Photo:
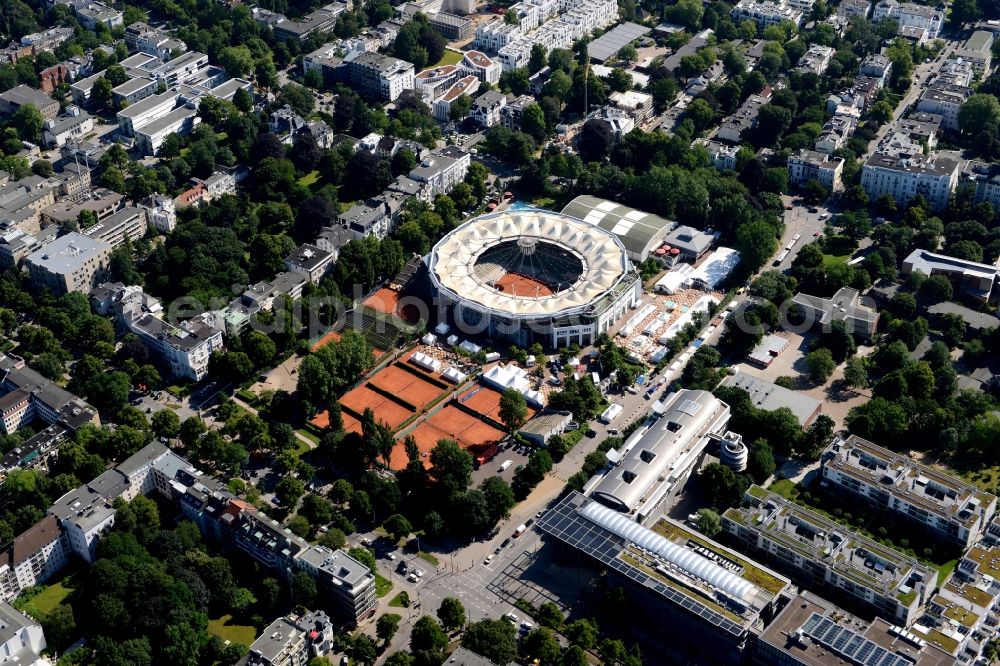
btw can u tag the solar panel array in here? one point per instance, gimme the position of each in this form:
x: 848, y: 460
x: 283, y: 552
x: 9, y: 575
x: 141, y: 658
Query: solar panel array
x: 565, y: 523
x: 615, y: 40
x: 849, y: 644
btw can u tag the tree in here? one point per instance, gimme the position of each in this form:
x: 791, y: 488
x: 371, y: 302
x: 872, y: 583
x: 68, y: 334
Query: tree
x: 513, y: 409
x: 964, y: 11
x: 499, y: 497
x: 451, y: 612
x: 494, y: 639
x: 166, y: 423
x: 289, y: 490
x: 760, y: 464
x: 387, y: 626
x: 397, y: 526
x: 582, y: 633
x: 709, y: 522
x: 28, y: 121
x: 936, y: 288
x: 757, y: 243
x: 533, y: 122
x: 856, y: 373
x: 820, y: 365
x: 686, y: 12
x: 427, y: 635
x: 595, y: 141
x: 363, y: 649
x: 542, y: 645
x: 721, y: 485
x: 979, y: 112
x: 303, y: 589
x: 451, y: 466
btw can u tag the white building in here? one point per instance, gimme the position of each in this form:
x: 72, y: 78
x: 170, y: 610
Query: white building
x: 160, y: 212
x: 946, y: 101
x: 310, y: 261
x: 152, y: 135
x: 910, y: 15
x: 486, y: 108
x: 809, y: 165
x: 70, y: 127
x: 441, y: 109
x: 21, y: 638
x: 850, y: 8
x: 379, y: 76
x: 481, y: 66
x: 765, y: 14
x: 493, y: 35
x: 903, y: 178
x: 33, y: 557
x: 442, y: 170
x: 816, y: 59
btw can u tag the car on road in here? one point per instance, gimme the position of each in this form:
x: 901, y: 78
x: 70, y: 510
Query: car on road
x: 613, y: 431
x: 412, y: 578
x: 391, y: 557
x: 529, y: 522
x: 489, y: 558
x: 526, y: 627
x: 512, y: 616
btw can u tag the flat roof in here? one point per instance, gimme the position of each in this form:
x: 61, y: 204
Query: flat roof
x: 67, y: 253
x: 615, y: 40
x: 770, y: 396
x: 640, y: 232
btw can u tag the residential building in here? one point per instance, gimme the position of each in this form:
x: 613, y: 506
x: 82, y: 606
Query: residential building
x: 845, y: 305
x: 976, y: 322
x: 977, y: 51
x: 15, y: 244
x: 876, y: 66
x: 945, y: 100
x: 815, y: 550
x: 365, y: 219
x: 816, y: 60
x: 932, y: 176
x: 653, y: 463
x: 47, y: 40
x: 318, y: 21
x: 486, y: 108
x: 71, y: 127
x: 947, y: 507
x: 326, y: 60
x: 310, y: 261
x: 21, y: 638
x: 482, y: 67
x: 293, y: 640
x: 346, y: 584
x: 744, y: 119
x: 769, y: 396
x: 379, y: 76
x: 31, y: 559
x: 432, y: 83
x: 22, y: 95
x: 972, y: 278
x: 910, y: 15
x: 765, y: 14
x: 687, y: 588
x: 442, y: 170
x: 723, y: 156
x: 467, y: 85
x: 638, y: 105
x: 956, y: 73
x: 512, y: 113
x: 850, y: 8
x: 454, y: 28
x: 100, y: 201
x: 127, y: 223
x: 73, y: 262
x: 285, y: 122
x: 52, y: 77
x: 494, y: 34
x: 145, y: 39
x: 808, y: 165
x: 160, y: 212
x: 811, y: 631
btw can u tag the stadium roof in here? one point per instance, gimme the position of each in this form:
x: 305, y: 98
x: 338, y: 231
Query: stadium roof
x: 590, y: 260
x: 639, y: 232
x: 614, y: 40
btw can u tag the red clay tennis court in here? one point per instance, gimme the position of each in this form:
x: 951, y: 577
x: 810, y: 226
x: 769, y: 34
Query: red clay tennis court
x: 325, y: 340
x: 387, y: 300
x: 522, y: 285
x: 486, y: 401
x: 386, y: 411
x: 449, y: 423
x: 322, y: 420
x: 406, y: 384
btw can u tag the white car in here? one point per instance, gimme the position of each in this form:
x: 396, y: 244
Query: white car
x: 489, y: 558
x: 512, y: 617
x: 412, y: 578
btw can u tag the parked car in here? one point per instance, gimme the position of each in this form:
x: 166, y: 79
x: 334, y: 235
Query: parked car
x: 489, y: 558
x: 506, y: 542
x: 512, y: 616
x: 412, y: 578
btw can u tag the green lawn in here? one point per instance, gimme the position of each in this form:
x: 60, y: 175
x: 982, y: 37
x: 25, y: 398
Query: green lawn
x: 450, y: 58
x: 785, y: 488
x: 46, y: 600
x: 427, y: 557
x: 945, y: 570
x: 234, y: 633
x: 309, y: 179
x: 831, y: 260
x: 382, y: 586
x: 401, y: 600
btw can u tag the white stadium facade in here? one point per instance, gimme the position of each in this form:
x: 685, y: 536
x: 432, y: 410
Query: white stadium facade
x: 529, y: 274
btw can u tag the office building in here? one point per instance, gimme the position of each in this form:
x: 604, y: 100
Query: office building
x: 703, y: 599
x: 769, y: 396
x: 151, y: 136
x: 318, y: 21
x: 93, y: 14
x: 454, y: 28
x: 972, y: 278
x: 481, y: 66
x: 811, y: 631
x: 946, y: 507
x: 932, y: 176
x: 128, y: 223
x: 814, y: 550
x: 73, y: 262
x: 70, y: 127
x: 977, y: 51
x: 145, y: 39
x: 22, y: 95
x: 378, y: 76
x: 845, y: 305
x: 441, y: 108
x: 655, y: 461
x: 807, y: 165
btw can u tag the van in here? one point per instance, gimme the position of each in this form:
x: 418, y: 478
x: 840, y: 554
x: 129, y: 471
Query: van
x: 506, y: 465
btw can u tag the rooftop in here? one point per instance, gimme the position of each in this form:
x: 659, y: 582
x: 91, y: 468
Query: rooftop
x: 614, y: 40
x: 638, y: 230
x: 68, y: 253
x: 770, y: 396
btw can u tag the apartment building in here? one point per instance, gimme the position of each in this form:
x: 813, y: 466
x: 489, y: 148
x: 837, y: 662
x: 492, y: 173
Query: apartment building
x: 910, y: 15
x: 454, y: 28
x: 72, y: 126
x: 22, y: 639
x: 145, y: 39
x: 73, y: 262
x: 494, y: 34
x: 689, y: 589
x: 482, y: 67
x: 808, y: 165
x: 318, y: 21
x: 744, y: 119
x: 816, y: 60
x: 977, y: 51
x: 22, y: 95
x: 129, y: 223
x: 723, y: 156
x: 32, y: 558
x: 956, y: 73
x: 972, y: 278
x: 850, y: 8
x: 293, y: 640
x: 100, y: 201
x: 161, y: 214
x: 93, y: 14
x: 903, y: 178
x: 310, y: 261
x: 513, y: 112
x: 442, y: 170
x: 946, y: 100
x: 50, y: 402
x: 486, y: 108
x: 47, y: 40
x: 347, y: 584
x: 945, y: 506
x: 516, y: 54
x: 814, y: 550
x: 379, y: 76
x: 637, y: 104
x: 441, y: 109
x: 765, y: 14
